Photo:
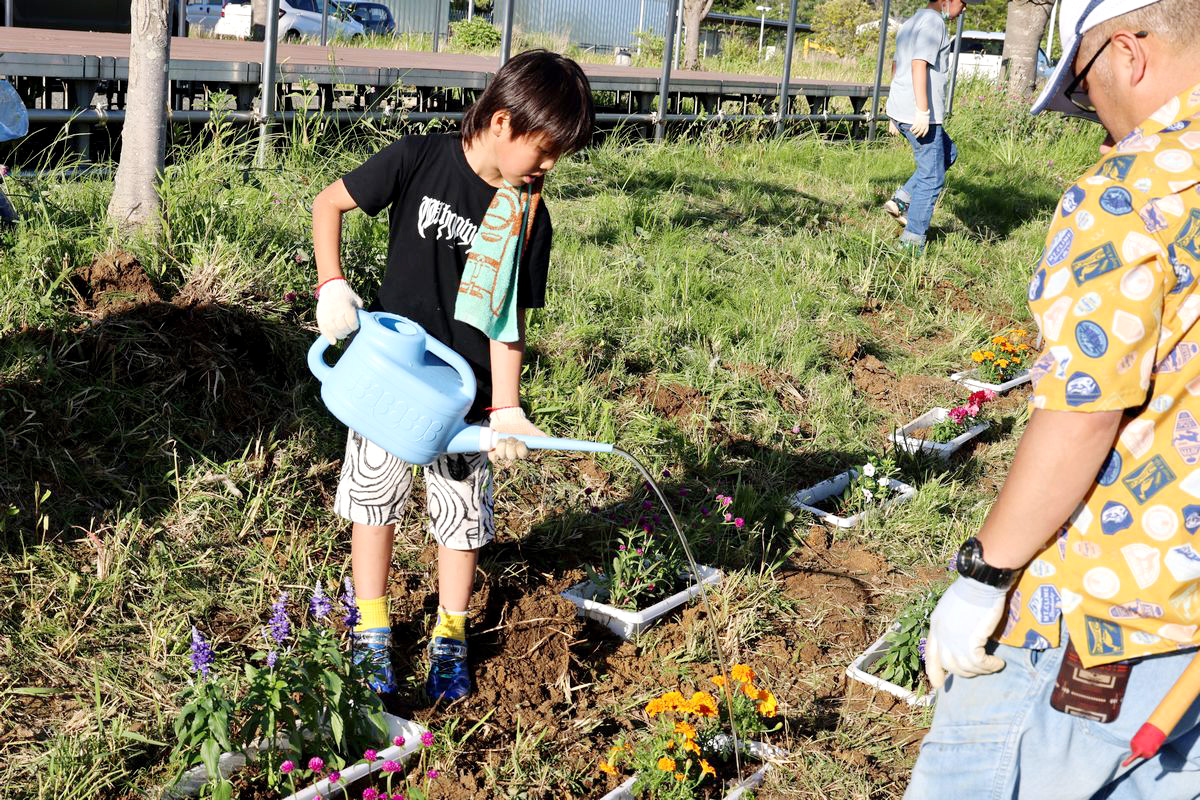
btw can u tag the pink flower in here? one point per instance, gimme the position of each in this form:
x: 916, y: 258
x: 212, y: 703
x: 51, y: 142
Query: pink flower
x: 739, y: 523
x: 370, y: 794
x: 3, y: 171
x: 988, y: 394
x: 316, y: 763
x: 728, y: 517
x: 370, y: 755
x: 398, y: 741
x: 957, y: 415
x: 795, y: 429
x: 287, y: 767
x: 427, y: 738
x: 335, y: 776
x: 391, y: 766
x: 973, y: 410
x: 433, y: 773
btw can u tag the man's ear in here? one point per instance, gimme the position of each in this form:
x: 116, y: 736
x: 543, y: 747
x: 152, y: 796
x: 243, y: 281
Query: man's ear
x: 500, y: 122
x: 1130, y: 56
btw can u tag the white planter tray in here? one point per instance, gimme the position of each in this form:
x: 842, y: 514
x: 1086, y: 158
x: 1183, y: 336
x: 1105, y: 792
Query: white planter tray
x: 758, y: 750
x: 967, y: 378
x: 192, y: 781
x: 858, y: 670
x: 628, y: 624
x: 806, y: 499
x: 928, y: 420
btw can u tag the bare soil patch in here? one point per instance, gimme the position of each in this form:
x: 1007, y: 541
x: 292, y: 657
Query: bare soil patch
x: 114, y: 282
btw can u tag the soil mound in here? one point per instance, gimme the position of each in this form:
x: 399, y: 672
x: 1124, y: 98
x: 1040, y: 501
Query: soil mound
x: 114, y: 282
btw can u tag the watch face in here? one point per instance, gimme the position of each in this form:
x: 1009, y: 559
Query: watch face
x: 970, y: 556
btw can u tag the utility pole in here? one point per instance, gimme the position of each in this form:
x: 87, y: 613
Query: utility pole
x: 506, y: 33
x: 664, y: 82
x: 787, y: 70
x: 267, y: 109
x: 762, y: 26
x: 883, y: 26
x: 324, y: 22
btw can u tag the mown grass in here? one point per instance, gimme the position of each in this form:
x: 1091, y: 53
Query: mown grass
x: 168, y: 465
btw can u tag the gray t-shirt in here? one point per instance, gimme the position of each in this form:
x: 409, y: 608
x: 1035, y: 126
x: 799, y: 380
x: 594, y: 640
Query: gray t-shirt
x: 922, y: 37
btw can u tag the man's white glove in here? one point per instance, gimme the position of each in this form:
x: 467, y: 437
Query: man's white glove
x: 920, y: 125
x: 337, y: 309
x: 511, y: 420
x: 959, y: 628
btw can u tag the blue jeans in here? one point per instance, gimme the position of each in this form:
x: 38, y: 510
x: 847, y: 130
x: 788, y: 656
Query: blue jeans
x: 996, y: 737
x: 935, y: 153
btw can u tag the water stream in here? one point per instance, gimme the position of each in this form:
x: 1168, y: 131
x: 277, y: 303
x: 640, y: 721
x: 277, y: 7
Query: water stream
x: 712, y: 624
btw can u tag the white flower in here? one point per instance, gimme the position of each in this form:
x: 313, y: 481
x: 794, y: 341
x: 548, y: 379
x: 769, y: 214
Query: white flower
x: 869, y: 494
x: 869, y: 470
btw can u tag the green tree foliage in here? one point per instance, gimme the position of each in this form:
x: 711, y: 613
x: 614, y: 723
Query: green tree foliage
x: 835, y: 21
x: 474, y: 35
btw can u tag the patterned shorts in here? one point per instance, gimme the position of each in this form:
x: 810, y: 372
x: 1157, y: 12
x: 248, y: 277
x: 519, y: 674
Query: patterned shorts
x: 375, y: 486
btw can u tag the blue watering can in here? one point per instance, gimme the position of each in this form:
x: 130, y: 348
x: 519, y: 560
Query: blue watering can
x: 407, y: 392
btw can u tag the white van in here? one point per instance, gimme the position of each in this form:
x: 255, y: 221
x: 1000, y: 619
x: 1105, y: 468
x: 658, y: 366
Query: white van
x: 296, y: 18
x: 981, y: 56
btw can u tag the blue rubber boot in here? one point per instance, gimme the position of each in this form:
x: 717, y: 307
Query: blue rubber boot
x: 449, y: 675
x: 374, y: 646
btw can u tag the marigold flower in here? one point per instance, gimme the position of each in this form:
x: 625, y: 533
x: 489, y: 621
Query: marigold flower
x: 607, y: 768
x: 678, y: 776
x: 686, y: 729
x: 706, y: 769
x: 1002, y: 363
x: 719, y: 680
x: 767, y: 705
x: 666, y: 764
x: 704, y: 704
x: 692, y: 746
x: 989, y: 355
x: 977, y: 357
x: 999, y: 340
x: 742, y: 673
x: 750, y: 690
x: 670, y: 745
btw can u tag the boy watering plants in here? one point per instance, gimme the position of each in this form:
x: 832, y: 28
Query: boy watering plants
x: 1078, y: 602
x: 468, y: 253
x: 915, y: 107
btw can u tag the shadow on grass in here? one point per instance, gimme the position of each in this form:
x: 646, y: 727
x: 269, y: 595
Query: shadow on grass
x: 108, y: 416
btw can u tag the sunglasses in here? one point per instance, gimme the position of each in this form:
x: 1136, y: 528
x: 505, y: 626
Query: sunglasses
x: 1079, y: 97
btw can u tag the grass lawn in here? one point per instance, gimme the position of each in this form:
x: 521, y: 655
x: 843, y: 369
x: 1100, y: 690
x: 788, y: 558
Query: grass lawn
x: 727, y: 308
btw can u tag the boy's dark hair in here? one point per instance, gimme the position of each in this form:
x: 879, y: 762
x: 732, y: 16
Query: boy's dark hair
x: 544, y: 93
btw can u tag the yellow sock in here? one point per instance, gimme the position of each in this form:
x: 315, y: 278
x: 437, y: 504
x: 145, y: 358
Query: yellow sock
x: 373, y: 613
x: 451, y: 625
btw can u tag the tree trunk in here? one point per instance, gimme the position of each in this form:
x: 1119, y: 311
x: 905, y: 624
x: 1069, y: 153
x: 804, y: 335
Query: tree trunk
x: 135, y: 201
x: 694, y: 12
x: 1022, y: 34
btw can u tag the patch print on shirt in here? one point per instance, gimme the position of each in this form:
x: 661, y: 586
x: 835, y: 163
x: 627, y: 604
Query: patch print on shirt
x: 1104, y: 638
x: 1148, y: 479
x: 1116, y: 167
x: 1095, y: 262
x: 1186, y: 437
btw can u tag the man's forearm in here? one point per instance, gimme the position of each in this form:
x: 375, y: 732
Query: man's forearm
x: 1056, y: 465
x: 506, y: 360
x: 920, y: 83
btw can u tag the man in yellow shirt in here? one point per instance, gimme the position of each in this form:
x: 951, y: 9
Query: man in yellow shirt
x: 1078, y: 603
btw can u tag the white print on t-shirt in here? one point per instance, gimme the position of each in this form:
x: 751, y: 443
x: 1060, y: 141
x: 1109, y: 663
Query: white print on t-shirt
x: 449, y: 225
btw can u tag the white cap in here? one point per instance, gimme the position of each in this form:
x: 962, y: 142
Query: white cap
x: 1075, y: 18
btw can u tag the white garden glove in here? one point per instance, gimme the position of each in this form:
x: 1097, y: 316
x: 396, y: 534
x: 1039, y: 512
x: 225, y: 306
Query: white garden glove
x: 920, y: 125
x: 959, y: 628
x: 892, y: 129
x: 337, y: 309
x: 511, y: 420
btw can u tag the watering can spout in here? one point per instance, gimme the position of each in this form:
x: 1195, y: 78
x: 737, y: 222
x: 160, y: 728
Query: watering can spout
x: 480, y: 439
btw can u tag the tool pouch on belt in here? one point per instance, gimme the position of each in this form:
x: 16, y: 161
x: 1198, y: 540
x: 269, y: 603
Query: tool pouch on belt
x: 1093, y: 693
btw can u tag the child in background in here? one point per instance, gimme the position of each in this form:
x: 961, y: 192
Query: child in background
x: 468, y: 253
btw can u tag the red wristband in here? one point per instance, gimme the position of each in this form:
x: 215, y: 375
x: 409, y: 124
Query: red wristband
x: 317, y: 291
x: 498, y: 408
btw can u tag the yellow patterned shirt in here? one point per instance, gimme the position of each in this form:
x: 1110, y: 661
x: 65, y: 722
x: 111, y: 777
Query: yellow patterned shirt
x: 1115, y: 296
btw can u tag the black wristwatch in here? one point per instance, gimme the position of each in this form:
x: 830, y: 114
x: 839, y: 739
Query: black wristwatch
x: 970, y: 564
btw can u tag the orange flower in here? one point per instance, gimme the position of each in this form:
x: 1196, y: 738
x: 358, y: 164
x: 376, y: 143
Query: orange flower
x: 670, y: 744
x: 687, y: 730
x: 767, y: 705
x: 666, y: 764
x: 608, y: 768
x: 678, y: 776
x: 977, y: 356
x: 671, y: 701
x: 719, y: 680
x: 706, y: 769
x: 692, y: 746
x: 742, y: 673
x: 704, y: 704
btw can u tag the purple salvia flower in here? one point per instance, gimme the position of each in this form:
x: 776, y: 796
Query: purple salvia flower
x: 272, y: 657
x: 350, y: 604
x: 921, y: 648
x: 319, y: 605
x: 202, y: 655
x: 280, y: 627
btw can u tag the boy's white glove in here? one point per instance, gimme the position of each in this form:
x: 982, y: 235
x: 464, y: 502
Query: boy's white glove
x: 337, y: 309
x: 920, y: 125
x: 511, y: 420
x: 959, y: 628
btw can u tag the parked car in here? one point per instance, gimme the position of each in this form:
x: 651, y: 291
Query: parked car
x: 203, y: 16
x: 296, y: 18
x: 374, y: 17
x: 981, y: 56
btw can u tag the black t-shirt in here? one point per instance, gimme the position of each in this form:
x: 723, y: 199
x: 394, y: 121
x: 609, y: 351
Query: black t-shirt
x: 435, y: 203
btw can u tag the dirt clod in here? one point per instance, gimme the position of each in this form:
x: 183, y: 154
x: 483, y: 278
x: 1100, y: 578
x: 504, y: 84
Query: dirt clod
x: 114, y: 282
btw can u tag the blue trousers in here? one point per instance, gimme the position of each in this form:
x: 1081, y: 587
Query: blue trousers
x: 934, y: 153
x: 995, y: 737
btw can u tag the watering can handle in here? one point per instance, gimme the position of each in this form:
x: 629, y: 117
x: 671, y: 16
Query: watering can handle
x: 316, y: 359
x: 456, y: 361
